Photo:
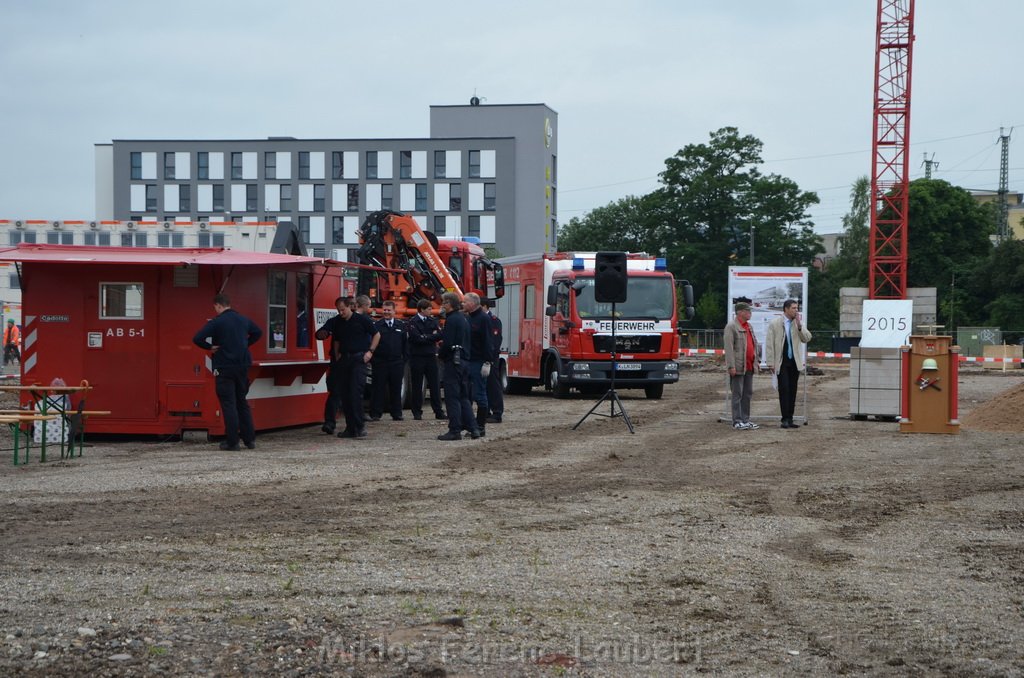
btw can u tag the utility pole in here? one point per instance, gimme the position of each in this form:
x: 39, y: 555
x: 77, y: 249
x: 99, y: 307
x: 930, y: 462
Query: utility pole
x: 752, y: 244
x: 1004, y: 185
x: 929, y: 163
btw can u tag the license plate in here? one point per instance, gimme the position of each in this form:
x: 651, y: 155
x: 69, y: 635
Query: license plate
x: 628, y: 366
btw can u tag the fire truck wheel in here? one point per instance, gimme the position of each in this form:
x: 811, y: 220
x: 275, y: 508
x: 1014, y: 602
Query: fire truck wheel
x: 555, y: 385
x: 654, y: 391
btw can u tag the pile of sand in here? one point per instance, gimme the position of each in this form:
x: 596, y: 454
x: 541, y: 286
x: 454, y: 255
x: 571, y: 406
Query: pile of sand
x: 1001, y: 413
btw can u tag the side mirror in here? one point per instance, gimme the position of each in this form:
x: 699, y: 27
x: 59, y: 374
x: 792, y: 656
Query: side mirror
x: 550, y: 311
x: 552, y: 295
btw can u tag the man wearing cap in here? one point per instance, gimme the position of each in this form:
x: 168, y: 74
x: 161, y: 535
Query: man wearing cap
x: 786, y: 346
x: 741, y: 358
x: 12, y: 342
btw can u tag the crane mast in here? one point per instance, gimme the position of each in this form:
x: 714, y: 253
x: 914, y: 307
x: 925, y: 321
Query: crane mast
x: 887, y: 243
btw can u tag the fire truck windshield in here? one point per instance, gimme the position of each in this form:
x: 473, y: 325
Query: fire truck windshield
x: 646, y: 297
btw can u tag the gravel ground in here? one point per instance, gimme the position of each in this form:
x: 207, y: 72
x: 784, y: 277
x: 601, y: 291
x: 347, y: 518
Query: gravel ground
x: 840, y: 548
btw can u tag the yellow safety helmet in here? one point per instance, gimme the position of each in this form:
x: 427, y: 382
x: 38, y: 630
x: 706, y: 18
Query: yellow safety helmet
x: 929, y: 364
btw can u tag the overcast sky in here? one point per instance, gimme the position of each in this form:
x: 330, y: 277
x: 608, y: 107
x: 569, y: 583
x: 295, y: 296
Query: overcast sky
x: 632, y: 84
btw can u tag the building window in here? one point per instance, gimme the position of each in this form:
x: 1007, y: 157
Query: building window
x: 455, y: 197
x: 121, y: 301
x: 303, y: 164
x: 270, y: 165
x: 286, y: 197
x: 250, y: 198
x: 421, y: 197
x: 474, y: 163
x: 371, y: 164
x: 405, y: 165
x: 60, y: 238
x: 490, y: 197
x: 353, y: 197
x: 170, y: 239
x: 211, y: 239
x: 203, y: 164
x: 184, y: 198
x: 338, y: 230
x: 14, y: 281
x: 439, y: 226
x: 337, y: 165
x: 387, y: 196
x: 218, y: 197
x: 136, y: 165
x: 304, y: 228
x: 439, y: 164
x: 101, y: 239
x: 319, y: 191
x: 151, y: 197
x: 554, y: 169
x: 236, y: 165
x: 168, y: 166
x: 133, y: 239
x: 474, y: 226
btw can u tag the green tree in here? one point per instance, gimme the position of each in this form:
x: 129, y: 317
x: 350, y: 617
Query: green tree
x: 850, y: 267
x: 632, y: 224
x: 715, y: 197
x: 948, y: 235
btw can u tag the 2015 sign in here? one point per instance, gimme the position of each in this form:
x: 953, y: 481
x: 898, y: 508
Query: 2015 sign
x: 886, y: 323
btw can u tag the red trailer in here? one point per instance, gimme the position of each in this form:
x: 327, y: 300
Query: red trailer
x: 123, y: 319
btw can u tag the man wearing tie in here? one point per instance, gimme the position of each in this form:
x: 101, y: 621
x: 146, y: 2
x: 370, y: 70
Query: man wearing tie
x: 786, y: 344
x: 389, y: 364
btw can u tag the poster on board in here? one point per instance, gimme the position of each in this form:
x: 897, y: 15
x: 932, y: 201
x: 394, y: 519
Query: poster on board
x: 767, y: 287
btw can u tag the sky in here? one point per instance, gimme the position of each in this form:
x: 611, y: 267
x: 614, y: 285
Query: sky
x: 632, y: 83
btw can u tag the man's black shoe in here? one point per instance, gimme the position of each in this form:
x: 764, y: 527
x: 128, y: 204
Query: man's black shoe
x: 475, y: 434
x: 229, y: 448
x: 398, y: 418
x: 493, y: 420
x: 451, y: 435
x: 251, y: 445
x: 329, y: 430
x: 345, y: 434
x: 417, y: 417
x: 361, y: 433
x: 440, y: 415
x: 373, y: 418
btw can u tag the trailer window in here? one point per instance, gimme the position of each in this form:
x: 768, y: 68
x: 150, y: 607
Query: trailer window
x: 277, y: 310
x: 302, y: 317
x: 121, y: 301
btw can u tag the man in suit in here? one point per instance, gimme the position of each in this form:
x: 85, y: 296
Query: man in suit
x: 786, y: 347
x: 389, y: 364
x: 424, y: 333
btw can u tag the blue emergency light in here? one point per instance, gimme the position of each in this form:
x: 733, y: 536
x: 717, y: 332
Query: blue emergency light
x: 660, y: 264
x: 577, y: 264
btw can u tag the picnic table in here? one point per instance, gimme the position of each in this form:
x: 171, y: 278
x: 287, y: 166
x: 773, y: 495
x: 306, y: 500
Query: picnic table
x: 49, y: 403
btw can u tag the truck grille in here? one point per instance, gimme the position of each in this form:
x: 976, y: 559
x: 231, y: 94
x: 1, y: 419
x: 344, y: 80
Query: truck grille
x: 626, y: 343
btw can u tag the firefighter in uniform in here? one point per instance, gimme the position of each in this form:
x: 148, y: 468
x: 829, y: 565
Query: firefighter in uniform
x: 424, y: 333
x: 389, y: 364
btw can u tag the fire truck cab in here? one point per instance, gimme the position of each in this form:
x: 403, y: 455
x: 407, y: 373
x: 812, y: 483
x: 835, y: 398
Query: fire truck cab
x: 556, y: 333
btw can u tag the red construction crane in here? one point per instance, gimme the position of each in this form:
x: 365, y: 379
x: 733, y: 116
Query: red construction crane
x: 887, y: 244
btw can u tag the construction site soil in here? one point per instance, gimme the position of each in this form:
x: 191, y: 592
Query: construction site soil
x: 840, y: 547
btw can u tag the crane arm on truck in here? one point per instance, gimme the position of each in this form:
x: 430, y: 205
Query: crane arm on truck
x: 394, y: 240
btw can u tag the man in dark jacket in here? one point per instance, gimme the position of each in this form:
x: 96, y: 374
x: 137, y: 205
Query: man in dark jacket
x: 228, y: 337
x: 495, y: 395
x: 424, y: 333
x: 389, y: 364
x: 355, y: 341
x: 481, y: 352
x: 333, y: 402
x: 455, y: 353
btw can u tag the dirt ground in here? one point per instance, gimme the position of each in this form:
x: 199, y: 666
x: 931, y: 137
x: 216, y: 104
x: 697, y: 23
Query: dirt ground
x: 843, y: 547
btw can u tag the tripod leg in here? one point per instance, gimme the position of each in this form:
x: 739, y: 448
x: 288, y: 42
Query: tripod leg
x: 591, y: 411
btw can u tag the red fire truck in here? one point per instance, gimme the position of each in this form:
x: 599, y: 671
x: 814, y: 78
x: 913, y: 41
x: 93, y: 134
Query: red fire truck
x: 556, y: 334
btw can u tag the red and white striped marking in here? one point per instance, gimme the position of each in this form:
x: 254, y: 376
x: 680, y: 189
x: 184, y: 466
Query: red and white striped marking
x: 846, y: 356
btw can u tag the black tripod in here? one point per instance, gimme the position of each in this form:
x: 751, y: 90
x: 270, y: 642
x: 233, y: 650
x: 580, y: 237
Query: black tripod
x: 610, y: 395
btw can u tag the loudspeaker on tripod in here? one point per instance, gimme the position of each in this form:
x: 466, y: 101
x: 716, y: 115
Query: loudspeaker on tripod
x: 610, y: 277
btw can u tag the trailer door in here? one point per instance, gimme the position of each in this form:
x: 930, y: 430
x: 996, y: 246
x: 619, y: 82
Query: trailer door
x: 122, y: 353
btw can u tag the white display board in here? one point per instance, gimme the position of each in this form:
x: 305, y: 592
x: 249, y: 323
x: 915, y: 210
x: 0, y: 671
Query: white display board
x: 767, y: 287
x: 886, y: 323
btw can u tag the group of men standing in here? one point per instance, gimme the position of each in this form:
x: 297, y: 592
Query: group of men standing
x: 785, y: 345
x: 389, y: 343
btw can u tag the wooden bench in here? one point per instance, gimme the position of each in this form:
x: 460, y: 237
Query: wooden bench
x: 15, y: 421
